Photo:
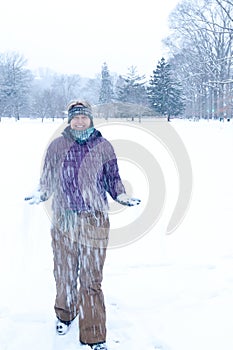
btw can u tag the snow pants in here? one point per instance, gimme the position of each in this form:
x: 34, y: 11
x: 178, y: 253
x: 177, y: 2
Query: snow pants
x: 79, y: 250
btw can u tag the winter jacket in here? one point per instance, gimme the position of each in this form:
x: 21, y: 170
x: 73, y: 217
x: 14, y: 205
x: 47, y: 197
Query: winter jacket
x: 80, y: 174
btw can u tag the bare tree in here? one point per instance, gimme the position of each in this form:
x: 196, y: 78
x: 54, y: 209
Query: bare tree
x: 227, y: 7
x: 66, y: 86
x: 15, y: 83
x: 201, y: 50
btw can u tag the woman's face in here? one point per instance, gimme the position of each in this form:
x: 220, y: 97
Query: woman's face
x: 80, y: 122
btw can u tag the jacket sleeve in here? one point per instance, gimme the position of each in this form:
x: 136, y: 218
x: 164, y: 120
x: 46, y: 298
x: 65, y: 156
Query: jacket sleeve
x: 112, y: 180
x: 49, y: 172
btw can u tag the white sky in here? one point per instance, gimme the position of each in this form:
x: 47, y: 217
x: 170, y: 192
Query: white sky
x: 74, y: 36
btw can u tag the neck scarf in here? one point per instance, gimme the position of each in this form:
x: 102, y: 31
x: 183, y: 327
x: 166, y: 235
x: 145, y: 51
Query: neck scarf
x: 81, y: 135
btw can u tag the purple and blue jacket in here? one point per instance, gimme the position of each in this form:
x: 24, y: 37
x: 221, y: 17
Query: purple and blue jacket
x: 79, y: 175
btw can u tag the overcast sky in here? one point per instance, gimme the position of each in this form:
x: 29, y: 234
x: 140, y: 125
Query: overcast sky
x: 74, y: 36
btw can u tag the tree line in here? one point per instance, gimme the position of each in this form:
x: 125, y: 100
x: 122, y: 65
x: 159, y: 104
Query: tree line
x: 201, y: 54
x: 46, y: 94
x: 194, y: 82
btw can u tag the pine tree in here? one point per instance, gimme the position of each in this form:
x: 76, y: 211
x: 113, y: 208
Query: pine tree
x: 165, y: 95
x: 106, y: 90
x: 131, y: 87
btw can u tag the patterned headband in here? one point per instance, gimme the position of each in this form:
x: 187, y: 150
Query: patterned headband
x: 79, y: 110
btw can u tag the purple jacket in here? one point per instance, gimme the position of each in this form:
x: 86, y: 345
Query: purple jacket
x: 79, y: 175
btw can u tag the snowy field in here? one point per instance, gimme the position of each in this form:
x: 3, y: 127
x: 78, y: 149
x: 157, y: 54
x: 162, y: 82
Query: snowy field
x: 167, y: 292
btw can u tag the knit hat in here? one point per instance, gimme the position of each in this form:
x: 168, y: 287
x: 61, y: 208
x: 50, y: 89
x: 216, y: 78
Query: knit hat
x: 79, y: 108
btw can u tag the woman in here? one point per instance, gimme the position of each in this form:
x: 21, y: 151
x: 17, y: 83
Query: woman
x: 80, y: 168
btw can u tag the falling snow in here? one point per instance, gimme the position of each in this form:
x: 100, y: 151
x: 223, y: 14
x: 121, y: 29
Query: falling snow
x: 162, y: 292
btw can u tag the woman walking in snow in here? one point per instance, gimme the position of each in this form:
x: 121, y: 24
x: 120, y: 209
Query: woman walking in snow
x: 80, y: 168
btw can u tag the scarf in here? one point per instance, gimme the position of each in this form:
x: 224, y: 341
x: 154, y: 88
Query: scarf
x: 81, y: 136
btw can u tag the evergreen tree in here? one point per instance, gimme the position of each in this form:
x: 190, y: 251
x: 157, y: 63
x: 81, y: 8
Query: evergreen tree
x: 131, y: 87
x: 165, y: 95
x: 106, y: 90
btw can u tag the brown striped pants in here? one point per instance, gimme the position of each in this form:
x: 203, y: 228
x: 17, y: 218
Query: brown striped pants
x: 79, y: 249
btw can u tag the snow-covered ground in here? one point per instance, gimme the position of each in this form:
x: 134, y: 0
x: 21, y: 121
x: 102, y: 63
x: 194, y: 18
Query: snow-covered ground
x: 162, y: 292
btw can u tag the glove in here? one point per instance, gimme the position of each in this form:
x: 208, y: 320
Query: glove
x: 124, y: 199
x: 35, y: 198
